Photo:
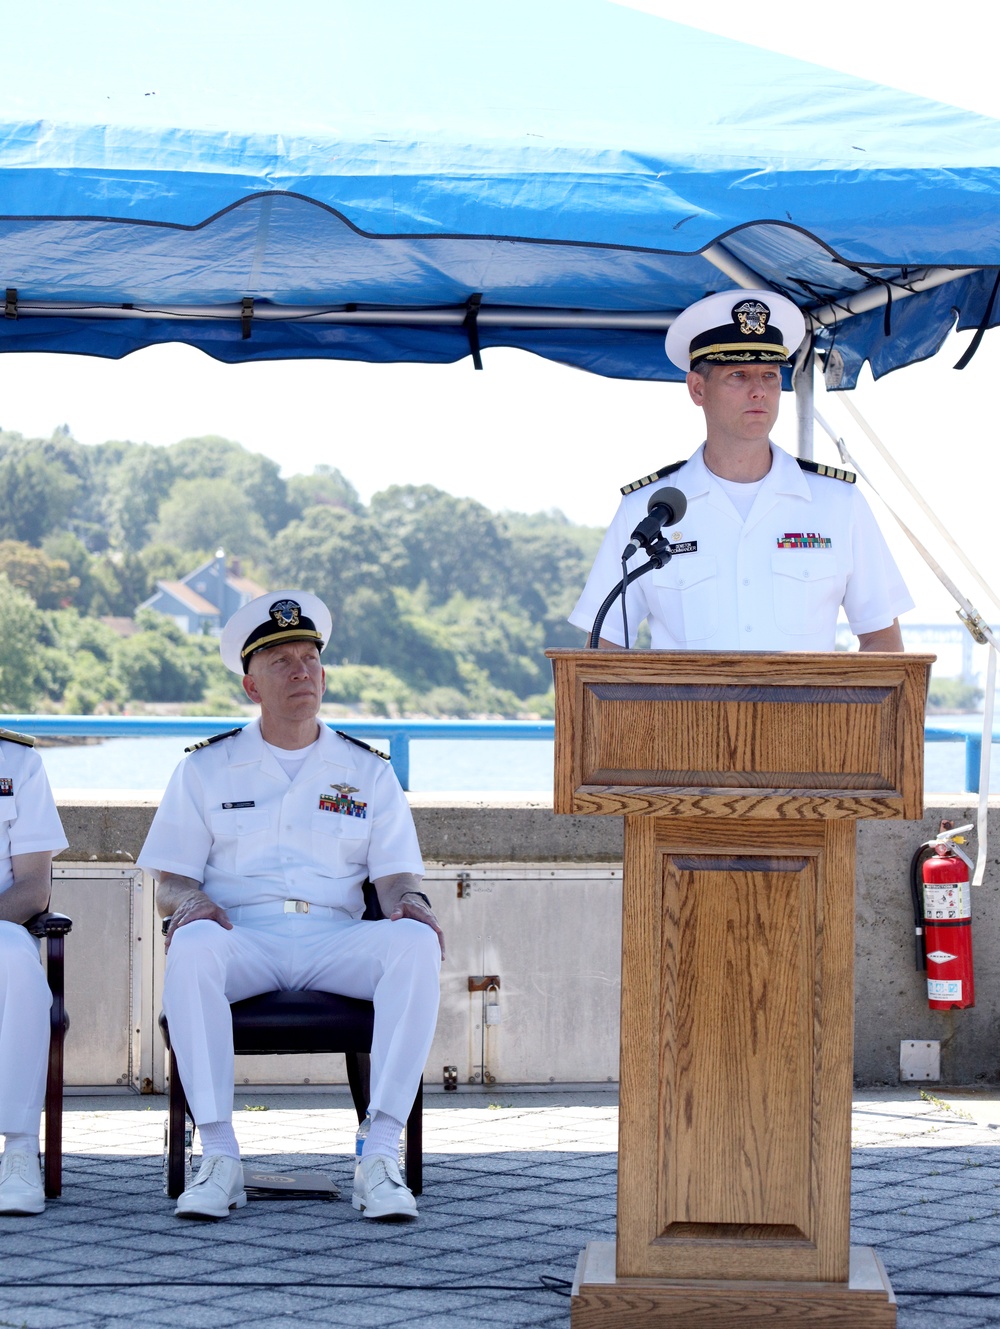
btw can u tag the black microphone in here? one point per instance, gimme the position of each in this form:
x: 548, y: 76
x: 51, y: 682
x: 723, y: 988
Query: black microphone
x: 665, y: 507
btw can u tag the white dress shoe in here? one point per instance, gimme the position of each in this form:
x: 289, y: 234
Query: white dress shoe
x: 379, y: 1190
x: 21, y: 1190
x: 216, y: 1189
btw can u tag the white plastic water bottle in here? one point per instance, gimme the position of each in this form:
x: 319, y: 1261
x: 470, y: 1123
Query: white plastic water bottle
x: 188, y: 1151
x: 359, y: 1139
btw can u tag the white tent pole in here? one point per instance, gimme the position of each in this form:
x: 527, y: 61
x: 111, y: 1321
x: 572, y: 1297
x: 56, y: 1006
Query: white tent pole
x: 875, y: 296
x: 658, y: 320
x: 734, y: 268
x: 803, y: 382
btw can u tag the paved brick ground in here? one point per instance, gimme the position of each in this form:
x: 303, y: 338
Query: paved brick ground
x: 515, y: 1184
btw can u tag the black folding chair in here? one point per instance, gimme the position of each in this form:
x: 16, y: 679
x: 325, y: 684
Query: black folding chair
x: 53, y: 928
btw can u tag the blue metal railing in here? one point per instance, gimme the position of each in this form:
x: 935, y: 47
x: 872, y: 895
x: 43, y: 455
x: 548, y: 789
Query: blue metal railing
x: 973, y: 750
x: 399, y: 733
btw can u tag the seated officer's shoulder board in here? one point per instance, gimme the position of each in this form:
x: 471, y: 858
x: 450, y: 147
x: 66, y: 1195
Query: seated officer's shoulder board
x: 831, y: 472
x: 216, y: 738
x: 358, y: 744
x: 12, y: 736
x: 651, y: 479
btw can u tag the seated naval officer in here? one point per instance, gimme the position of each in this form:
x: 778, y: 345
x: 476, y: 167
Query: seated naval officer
x: 261, y: 845
x: 30, y: 833
x: 770, y: 547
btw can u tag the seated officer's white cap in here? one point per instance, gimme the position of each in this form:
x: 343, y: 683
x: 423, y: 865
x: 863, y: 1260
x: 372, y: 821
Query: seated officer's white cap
x: 736, y: 327
x: 270, y: 619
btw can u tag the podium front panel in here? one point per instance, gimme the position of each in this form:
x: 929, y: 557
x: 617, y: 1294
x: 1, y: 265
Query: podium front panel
x: 737, y: 991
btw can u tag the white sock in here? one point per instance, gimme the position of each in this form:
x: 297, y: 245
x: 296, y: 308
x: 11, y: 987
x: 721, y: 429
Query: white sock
x: 218, y: 1137
x: 383, y: 1137
x: 26, y: 1143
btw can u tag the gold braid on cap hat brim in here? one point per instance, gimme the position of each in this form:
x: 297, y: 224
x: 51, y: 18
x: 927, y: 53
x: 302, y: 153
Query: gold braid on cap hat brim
x: 290, y: 634
x: 739, y: 350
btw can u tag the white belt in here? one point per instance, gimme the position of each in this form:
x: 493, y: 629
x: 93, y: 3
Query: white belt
x: 275, y: 908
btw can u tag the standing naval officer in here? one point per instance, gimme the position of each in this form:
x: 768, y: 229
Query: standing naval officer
x: 30, y: 833
x: 261, y: 845
x: 770, y: 547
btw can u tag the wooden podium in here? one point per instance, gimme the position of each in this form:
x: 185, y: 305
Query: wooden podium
x: 740, y: 777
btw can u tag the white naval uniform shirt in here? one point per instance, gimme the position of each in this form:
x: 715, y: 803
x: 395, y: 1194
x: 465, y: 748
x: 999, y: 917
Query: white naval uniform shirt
x: 29, y: 822
x: 232, y: 819
x: 774, y: 582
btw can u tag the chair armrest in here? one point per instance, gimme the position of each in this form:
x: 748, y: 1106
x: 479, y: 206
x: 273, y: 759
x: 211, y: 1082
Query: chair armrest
x: 49, y: 925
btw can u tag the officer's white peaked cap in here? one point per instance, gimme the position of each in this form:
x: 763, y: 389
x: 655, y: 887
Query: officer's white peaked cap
x: 270, y: 619
x: 736, y: 327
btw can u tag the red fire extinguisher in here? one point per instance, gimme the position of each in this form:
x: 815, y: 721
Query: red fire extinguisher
x: 943, y: 920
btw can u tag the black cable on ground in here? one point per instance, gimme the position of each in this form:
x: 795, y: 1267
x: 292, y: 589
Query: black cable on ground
x: 546, y: 1283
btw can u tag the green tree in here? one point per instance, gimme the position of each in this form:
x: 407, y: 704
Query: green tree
x: 326, y: 487
x: 121, y: 582
x: 161, y: 663
x: 19, y: 680
x: 36, y: 494
x: 548, y: 564
x: 133, y: 492
x: 337, y: 555
x: 378, y: 690
x: 204, y: 514
x: 213, y: 458
x: 70, y: 549
x: 501, y: 643
x: 47, y: 580
x: 452, y: 544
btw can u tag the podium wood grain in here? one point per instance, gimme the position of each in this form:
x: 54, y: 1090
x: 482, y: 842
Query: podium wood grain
x: 740, y: 777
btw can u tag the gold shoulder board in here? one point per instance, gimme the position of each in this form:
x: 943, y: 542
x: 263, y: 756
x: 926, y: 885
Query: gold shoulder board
x: 650, y: 479
x: 216, y: 738
x: 358, y: 744
x: 831, y: 472
x: 12, y: 736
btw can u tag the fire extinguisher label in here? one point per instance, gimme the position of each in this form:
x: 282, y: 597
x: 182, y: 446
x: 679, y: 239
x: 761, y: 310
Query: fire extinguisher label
x: 947, y: 900
x: 944, y: 989
x: 940, y: 957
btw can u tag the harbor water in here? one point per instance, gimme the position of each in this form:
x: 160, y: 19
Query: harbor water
x: 450, y: 765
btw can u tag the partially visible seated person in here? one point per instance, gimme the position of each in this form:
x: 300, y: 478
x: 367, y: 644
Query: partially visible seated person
x: 30, y: 833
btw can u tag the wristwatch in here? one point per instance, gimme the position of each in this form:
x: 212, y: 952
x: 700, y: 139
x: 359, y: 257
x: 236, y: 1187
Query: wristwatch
x: 421, y: 895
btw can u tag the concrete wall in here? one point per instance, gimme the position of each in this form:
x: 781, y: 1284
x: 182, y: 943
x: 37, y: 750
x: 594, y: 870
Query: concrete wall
x: 534, y: 898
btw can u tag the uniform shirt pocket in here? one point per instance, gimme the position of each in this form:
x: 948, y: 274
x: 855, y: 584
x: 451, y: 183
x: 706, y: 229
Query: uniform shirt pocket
x: 808, y: 586
x: 242, y: 838
x: 339, y: 841
x: 684, y: 596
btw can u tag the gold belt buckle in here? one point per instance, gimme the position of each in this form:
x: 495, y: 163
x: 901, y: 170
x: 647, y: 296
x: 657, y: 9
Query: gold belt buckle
x: 296, y: 906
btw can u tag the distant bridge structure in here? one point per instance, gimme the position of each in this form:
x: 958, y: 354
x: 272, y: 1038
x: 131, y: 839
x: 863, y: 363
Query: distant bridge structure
x: 916, y: 636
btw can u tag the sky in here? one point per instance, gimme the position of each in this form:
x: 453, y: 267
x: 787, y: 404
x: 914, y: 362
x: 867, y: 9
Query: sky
x: 530, y: 435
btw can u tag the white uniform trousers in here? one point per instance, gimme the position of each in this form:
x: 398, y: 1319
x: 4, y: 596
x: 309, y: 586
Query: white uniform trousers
x: 393, y: 964
x: 25, y: 1001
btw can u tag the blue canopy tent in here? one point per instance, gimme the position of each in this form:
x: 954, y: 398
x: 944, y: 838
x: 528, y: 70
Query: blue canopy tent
x: 399, y: 182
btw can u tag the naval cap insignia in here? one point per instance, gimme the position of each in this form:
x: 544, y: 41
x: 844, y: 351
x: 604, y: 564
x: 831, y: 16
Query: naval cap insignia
x: 752, y: 316
x: 285, y: 613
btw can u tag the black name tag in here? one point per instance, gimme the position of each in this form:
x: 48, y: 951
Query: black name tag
x: 687, y: 547
x: 248, y: 804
